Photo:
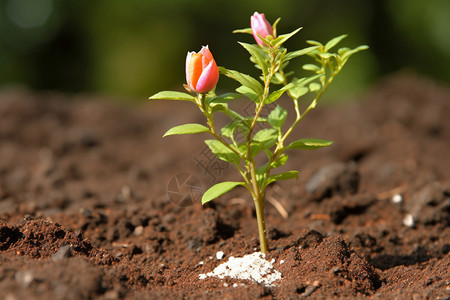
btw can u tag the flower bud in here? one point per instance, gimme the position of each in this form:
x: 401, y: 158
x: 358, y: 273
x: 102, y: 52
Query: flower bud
x: 202, y: 73
x: 260, y: 26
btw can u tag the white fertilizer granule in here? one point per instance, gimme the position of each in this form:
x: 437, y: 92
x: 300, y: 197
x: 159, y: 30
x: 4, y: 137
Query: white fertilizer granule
x: 252, y: 267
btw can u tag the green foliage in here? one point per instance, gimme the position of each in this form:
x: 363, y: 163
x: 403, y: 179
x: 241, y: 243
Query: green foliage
x: 170, y: 95
x: 219, y: 189
x: 241, y: 139
x: 186, y: 129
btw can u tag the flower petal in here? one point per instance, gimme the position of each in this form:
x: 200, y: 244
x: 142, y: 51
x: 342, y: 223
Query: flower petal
x: 208, y: 79
x: 194, y: 69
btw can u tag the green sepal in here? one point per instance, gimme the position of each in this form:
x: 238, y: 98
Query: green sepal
x: 186, y: 129
x: 172, y: 95
x: 218, y: 190
x: 309, y: 144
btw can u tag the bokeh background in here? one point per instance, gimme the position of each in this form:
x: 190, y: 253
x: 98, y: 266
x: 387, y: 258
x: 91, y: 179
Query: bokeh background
x: 132, y: 49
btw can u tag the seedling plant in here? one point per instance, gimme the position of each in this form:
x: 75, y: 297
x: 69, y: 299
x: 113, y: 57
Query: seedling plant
x: 245, y: 137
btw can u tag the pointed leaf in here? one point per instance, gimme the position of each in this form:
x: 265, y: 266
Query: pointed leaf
x: 315, y: 43
x: 223, y: 152
x: 274, y: 96
x: 350, y: 52
x: 171, y: 95
x: 283, y: 176
x: 219, y: 189
x: 248, y: 92
x: 280, y: 161
x: 245, y: 30
x: 309, y: 144
x: 311, y: 67
x: 277, y: 117
x: 333, y: 42
x: 267, y: 137
x: 186, y: 129
x: 222, y: 98
x: 283, y: 38
x: 298, y: 53
x: 243, y: 79
x: 254, y: 51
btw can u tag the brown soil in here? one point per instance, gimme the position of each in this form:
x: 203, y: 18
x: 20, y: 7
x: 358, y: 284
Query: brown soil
x: 90, y: 208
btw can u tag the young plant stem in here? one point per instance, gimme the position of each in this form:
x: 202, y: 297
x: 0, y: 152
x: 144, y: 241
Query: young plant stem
x: 259, y: 206
x: 258, y: 191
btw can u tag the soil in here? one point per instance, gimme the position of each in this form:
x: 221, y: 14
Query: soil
x: 95, y: 204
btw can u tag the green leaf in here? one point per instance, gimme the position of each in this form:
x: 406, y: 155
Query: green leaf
x: 283, y: 176
x: 277, y: 117
x: 280, y: 161
x: 283, y: 38
x: 245, y: 30
x: 300, y: 88
x: 243, y: 79
x: 314, y: 86
x: 350, y: 52
x: 215, y: 107
x: 315, y: 43
x: 311, y: 67
x: 171, y: 95
x: 218, y: 190
x: 222, y: 98
x: 298, y: 53
x: 186, y: 129
x: 333, y: 42
x: 223, y: 152
x: 267, y: 137
x: 254, y: 51
x: 248, y: 92
x: 275, y: 95
x: 309, y: 144
x: 327, y: 55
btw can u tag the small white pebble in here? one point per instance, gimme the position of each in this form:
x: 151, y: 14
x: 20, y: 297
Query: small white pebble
x: 211, y: 257
x: 202, y: 276
x: 219, y: 255
x: 272, y: 261
x: 281, y: 262
x: 397, y: 198
x: 201, y: 263
x: 408, y: 220
x: 235, y: 284
x: 225, y: 284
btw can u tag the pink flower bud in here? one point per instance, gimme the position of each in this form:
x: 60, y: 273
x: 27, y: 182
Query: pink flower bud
x: 260, y: 26
x: 202, y: 73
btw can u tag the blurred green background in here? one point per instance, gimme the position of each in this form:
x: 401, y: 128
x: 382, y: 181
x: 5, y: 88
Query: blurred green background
x: 132, y: 49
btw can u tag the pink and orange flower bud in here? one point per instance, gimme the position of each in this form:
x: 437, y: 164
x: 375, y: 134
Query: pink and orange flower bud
x: 260, y: 26
x: 202, y: 73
